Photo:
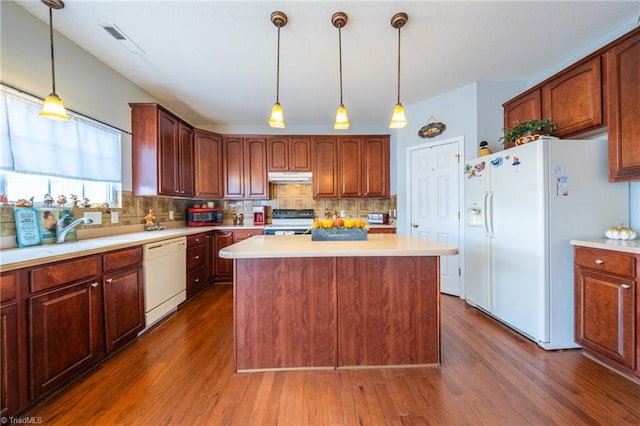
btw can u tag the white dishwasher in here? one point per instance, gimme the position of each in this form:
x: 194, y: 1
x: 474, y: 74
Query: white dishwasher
x: 165, y: 282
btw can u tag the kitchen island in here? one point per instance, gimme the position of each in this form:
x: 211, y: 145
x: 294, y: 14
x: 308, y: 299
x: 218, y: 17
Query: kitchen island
x: 302, y: 304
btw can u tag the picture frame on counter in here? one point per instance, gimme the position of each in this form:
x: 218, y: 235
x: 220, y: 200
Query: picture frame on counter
x: 27, y: 226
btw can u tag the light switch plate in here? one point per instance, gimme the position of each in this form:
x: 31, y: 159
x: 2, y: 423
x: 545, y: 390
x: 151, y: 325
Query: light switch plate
x: 96, y: 217
x: 114, y: 217
x: 170, y: 214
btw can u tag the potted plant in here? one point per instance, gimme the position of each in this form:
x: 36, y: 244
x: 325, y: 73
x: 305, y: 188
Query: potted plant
x: 526, y: 131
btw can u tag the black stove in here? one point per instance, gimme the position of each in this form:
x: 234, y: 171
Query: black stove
x: 289, y: 221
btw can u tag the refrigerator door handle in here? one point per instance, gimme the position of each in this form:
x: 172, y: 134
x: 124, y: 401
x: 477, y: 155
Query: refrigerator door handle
x: 485, y: 214
x: 489, y: 213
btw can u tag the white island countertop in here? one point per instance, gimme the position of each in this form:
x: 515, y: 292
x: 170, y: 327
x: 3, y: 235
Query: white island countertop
x: 627, y: 246
x: 279, y: 246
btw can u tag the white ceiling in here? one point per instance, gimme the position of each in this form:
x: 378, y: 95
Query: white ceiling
x: 215, y: 61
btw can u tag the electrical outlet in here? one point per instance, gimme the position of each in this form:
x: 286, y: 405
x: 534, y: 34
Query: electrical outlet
x: 96, y: 217
x: 170, y: 214
x: 114, y: 217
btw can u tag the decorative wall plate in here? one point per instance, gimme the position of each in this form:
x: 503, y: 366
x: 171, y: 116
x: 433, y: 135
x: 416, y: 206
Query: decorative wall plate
x: 432, y: 129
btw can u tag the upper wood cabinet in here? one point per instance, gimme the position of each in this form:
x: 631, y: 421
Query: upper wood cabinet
x: 245, y: 168
x: 623, y: 96
x: 364, y: 167
x: 207, y: 147
x: 162, y: 152
x: 289, y: 154
x: 351, y: 167
x: 375, y: 167
x: 573, y: 98
x: 325, y: 167
x: 526, y: 106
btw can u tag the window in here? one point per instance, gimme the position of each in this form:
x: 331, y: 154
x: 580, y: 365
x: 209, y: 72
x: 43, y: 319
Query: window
x: 80, y: 157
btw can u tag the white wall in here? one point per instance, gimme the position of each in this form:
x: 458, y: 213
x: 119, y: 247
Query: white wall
x: 473, y: 111
x: 85, y: 84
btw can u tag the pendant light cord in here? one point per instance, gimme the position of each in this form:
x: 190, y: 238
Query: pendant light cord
x: 399, y: 64
x: 53, y: 68
x: 278, y: 70
x: 340, y: 53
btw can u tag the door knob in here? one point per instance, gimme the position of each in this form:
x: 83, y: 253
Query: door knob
x: 415, y: 225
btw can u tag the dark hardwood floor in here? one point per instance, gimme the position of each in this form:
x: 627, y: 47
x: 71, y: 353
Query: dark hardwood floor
x: 181, y: 374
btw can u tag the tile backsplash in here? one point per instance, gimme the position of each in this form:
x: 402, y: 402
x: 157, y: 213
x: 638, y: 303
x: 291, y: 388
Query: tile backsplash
x: 283, y: 196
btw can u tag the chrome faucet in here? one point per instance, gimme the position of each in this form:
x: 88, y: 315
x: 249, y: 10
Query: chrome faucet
x: 62, y: 230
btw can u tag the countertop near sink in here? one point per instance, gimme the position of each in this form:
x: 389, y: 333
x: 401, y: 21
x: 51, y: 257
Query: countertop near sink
x: 31, y: 256
x: 627, y: 246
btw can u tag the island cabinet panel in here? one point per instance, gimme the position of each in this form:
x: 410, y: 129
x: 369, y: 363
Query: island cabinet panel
x: 623, y: 88
x: 285, y: 311
x: 573, y: 99
x: 388, y: 311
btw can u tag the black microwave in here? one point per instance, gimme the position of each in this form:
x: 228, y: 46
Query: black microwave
x: 205, y: 217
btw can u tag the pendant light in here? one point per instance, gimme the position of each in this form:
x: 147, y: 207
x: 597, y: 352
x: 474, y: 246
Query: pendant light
x: 53, y: 107
x: 339, y: 20
x: 398, y: 119
x: 276, y: 120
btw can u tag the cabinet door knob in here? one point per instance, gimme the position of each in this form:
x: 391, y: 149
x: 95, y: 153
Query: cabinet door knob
x: 625, y: 286
x: 599, y: 261
x: 415, y: 225
x: 94, y: 285
x: 109, y: 280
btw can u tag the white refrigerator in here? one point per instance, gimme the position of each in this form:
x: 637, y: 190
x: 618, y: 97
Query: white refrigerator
x: 522, y: 206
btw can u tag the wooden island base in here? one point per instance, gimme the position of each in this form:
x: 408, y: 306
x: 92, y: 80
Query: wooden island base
x: 336, y: 312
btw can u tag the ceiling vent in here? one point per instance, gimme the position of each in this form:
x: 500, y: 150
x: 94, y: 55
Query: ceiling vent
x: 119, y: 35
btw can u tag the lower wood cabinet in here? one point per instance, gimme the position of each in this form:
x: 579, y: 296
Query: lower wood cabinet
x: 9, y: 345
x: 66, y: 335
x: 196, y: 259
x: 59, y: 320
x: 606, y: 306
x: 123, y: 297
x: 223, y: 267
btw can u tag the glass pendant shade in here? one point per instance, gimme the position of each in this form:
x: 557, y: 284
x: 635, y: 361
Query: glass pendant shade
x: 53, y: 108
x: 398, y: 119
x: 342, y: 122
x: 277, y: 117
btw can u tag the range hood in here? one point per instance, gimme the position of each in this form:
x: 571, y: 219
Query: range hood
x: 290, y: 177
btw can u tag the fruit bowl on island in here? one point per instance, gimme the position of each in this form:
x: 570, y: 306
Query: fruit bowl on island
x: 339, y: 230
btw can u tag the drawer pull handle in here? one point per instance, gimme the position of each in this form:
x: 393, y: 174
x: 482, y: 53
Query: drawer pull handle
x: 599, y: 262
x: 625, y: 286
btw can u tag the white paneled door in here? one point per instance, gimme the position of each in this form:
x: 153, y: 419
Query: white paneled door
x: 434, y: 198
